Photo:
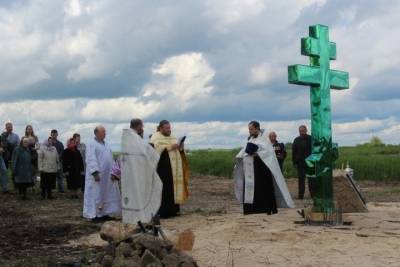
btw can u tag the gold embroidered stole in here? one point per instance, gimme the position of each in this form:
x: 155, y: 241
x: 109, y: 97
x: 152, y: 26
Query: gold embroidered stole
x: 179, y: 165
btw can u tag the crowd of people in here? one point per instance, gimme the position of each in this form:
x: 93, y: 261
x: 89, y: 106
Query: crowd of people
x: 26, y: 159
x: 91, y: 169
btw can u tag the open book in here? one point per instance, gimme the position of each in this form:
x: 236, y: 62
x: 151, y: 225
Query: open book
x: 181, y: 140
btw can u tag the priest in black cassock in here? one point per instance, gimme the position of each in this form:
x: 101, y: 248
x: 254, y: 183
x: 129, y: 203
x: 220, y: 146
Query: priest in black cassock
x: 172, y: 169
x: 259, y: 183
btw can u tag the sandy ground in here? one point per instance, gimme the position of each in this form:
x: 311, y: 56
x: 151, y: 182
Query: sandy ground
x: 224, y: 237
x: 37, y: 231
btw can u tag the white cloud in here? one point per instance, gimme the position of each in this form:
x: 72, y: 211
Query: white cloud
x: 264, y: 73
x: 73, y: 8
x: 118, y: 109
x: 181, y: 80
x: 231, y: 12
x: 238, y: 46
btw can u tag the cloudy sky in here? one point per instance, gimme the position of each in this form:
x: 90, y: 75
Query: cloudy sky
x: 209, y: 66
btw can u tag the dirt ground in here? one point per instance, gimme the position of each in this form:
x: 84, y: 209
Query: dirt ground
x: 37, y: 232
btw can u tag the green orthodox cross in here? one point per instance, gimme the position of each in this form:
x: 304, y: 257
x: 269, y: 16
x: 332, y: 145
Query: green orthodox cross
x: 321, y: 79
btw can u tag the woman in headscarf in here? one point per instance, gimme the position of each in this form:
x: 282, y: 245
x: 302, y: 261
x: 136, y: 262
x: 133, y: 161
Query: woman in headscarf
x: 73, y: 167
x: 22, y: 167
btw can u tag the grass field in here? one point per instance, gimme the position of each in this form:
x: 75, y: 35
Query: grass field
x: 370, y: 162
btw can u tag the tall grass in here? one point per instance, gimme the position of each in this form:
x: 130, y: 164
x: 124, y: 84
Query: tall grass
x: 375, y: 163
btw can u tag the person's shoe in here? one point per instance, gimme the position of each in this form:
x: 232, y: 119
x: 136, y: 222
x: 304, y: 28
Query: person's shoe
x: 6, y: 192
x: 97, y: 220
x: 106, y: 218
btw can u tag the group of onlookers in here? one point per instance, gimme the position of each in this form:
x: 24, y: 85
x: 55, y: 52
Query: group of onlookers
x: 26, y: 159
x: 301, y: 149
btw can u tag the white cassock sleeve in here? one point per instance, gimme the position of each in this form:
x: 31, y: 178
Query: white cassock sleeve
x: 91, y: 159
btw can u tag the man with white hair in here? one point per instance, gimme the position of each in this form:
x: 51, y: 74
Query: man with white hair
x: 102, y: 197
x: 279, y: 148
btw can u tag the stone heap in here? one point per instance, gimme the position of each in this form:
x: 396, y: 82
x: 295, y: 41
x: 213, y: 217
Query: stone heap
x: 129, y: 248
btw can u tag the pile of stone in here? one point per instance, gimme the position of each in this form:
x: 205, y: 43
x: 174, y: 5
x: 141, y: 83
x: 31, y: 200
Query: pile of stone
x: 127, y: 247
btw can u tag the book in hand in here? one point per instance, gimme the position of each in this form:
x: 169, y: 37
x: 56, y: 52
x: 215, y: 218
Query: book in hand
x: 182, y: 140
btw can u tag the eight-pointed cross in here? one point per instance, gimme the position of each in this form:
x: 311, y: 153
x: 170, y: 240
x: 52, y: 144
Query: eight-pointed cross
x: 321, y: 79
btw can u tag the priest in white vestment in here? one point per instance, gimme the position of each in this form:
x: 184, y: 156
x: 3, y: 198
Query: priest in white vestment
x: 102, y: 198
x: 137, y: 168
x: 259, y: 183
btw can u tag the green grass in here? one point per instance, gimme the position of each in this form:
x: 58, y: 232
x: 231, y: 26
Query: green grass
x: 375, y: 163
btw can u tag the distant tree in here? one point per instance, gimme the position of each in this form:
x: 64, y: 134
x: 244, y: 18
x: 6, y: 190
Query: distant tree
x: 376, y: 141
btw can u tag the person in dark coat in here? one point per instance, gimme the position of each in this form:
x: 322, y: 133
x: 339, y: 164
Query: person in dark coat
x: 73, y: 167
x: 301, y: 149
x: 60, y: 149
x: 22, y: 167
x: 279, y: 148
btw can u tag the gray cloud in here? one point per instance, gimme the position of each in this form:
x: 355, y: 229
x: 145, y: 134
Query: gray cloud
x: 86, y: 50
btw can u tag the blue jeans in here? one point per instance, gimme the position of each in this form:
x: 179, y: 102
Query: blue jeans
x: 3, y: 176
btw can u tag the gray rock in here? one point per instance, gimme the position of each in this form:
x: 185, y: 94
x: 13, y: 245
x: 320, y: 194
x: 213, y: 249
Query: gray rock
x: 124, y: 250
x: 186, y: 260
x: 100, y: 256
x: 115, y: 232
x: 148, y: 259
x: 110, y: 250
x: 107, y: 261
x: 188, y: 264
x: 132, y: 263
x: 149, y: 242
x: 168, y: 245
x: 171, y: 260
x: 119, y: 262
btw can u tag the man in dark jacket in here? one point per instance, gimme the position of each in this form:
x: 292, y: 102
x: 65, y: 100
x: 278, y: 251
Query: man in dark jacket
x: 300, y: 151
x: 9, y: 141
x: 60, y: 149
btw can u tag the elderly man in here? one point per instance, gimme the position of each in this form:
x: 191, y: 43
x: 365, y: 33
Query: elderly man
x: 279, y: 148
x: 9, y: 141
x: 172, y: 169
x: 102, y: 197
x: 301, y: 149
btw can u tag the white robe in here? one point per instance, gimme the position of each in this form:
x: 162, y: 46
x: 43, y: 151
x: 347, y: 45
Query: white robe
x: 101, y: 198
x: 141, y: 185
x: 244, y: 174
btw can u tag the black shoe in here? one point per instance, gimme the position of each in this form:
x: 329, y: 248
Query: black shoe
x: 6, y: 192
x: 97, y: 220
x: 106, y: 218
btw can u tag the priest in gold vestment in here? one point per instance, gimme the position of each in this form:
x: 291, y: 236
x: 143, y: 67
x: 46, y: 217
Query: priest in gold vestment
x: 172, y: 169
